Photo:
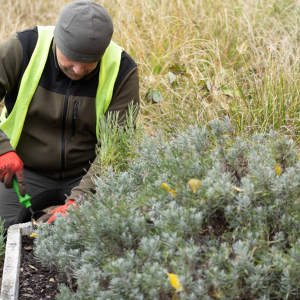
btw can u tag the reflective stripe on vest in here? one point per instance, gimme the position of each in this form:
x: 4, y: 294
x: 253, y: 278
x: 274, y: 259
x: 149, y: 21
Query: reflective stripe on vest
x: 109, y: 67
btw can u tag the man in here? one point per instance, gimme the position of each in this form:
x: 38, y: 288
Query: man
x: 56, y: 84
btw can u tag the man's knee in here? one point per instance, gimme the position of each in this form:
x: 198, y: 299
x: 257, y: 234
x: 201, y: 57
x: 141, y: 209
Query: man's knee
x: 11, y: 211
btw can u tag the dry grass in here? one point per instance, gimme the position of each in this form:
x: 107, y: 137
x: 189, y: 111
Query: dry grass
x: 238, y: 58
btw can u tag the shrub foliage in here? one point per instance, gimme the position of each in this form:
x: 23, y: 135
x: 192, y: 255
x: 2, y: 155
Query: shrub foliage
x: 219, y: 210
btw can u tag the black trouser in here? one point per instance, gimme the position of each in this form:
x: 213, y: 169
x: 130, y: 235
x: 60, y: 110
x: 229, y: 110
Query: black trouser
x: 44, y: 192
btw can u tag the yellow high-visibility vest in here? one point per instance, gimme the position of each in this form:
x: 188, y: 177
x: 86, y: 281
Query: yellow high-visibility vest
x: 109, y: 67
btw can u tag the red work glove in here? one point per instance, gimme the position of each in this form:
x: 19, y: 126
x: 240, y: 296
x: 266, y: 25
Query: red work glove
x: 51, y: 216
x: 10, y: 165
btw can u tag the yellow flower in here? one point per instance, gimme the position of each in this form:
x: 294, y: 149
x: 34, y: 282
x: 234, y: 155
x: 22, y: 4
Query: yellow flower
x: 33, y: 235
x: 194, y: 184
x: 175, y: 282
x: 168, y: 189
x: 165, y: 186
x: 277, y: 170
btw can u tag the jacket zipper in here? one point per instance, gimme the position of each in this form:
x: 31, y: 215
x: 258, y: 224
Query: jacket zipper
x: 63, y: 144
x: 74, y: 118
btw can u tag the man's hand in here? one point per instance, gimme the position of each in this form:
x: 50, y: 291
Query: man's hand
x: 51, y: 216
x: 10, y: 165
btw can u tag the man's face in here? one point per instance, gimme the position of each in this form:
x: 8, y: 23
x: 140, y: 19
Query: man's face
x: 73, y: 69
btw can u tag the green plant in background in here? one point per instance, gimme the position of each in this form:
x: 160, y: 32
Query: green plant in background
x: 118, y: 143
x: 203, y: 214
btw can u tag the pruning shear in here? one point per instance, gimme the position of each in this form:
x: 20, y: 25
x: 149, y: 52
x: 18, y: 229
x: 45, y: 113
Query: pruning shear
x: 25, y: 200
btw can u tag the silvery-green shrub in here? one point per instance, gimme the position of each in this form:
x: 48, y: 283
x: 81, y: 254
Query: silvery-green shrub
x: 235, y: 236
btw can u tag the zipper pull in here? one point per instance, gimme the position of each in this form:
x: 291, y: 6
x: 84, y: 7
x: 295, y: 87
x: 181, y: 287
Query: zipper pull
x: 74, y: 118
x: 75, y: 110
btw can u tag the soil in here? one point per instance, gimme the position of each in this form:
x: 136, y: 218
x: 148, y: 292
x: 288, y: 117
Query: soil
x: 36, y: 281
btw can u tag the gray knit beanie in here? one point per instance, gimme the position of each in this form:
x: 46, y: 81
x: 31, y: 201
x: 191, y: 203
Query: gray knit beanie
x: 83, y: 31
